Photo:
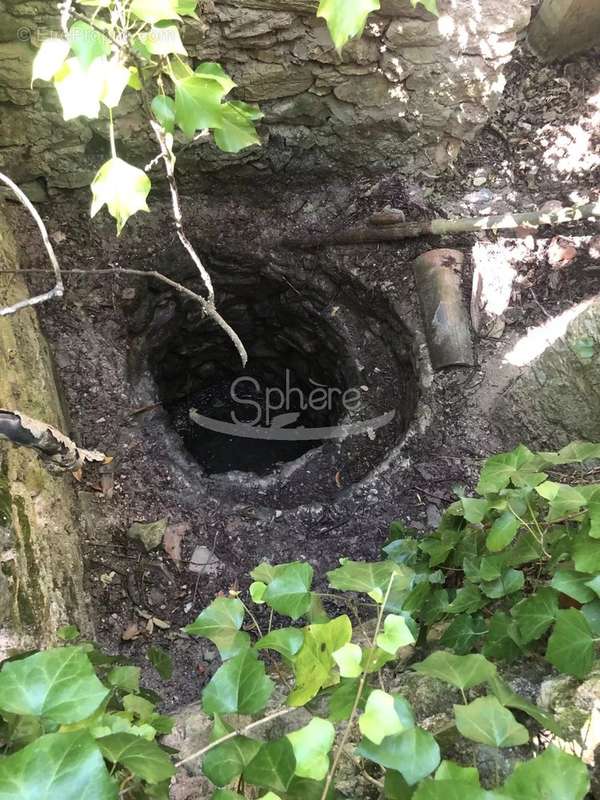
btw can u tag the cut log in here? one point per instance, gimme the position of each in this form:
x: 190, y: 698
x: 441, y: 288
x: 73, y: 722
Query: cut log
x: 445, y: 317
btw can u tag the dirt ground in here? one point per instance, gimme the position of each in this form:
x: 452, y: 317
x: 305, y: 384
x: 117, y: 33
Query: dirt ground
x: 542, y: 145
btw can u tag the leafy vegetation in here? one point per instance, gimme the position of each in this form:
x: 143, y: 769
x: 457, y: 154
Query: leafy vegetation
x: 510, y: 573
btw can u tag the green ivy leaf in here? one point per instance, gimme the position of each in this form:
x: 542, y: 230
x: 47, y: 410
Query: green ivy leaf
x: 311, y: 746
x: 122, y: 188
x: 116, y: 77
x: 79, y: 90
x: 535, y: 614
x: 68, y: 633
x: 449, y: 771
x: 237, y: 130
x: 573, y: 584
x: 49, y: 59
x: 273, y: 766
x: 437, y: 550
x: 429, y: 5
x: 464, y: 672
x: 451, y: 790
x: 154, y: 11
x: 553, y: 775
x: 591, y: 611
x: 227, y: 761
x: 499, y: 470
x: 396, y: 634
x: 511, y: 581
x: 345, y: 18
x: 349, y: 660
x: 370, y: 578
x: 221, y: 623
x: 594, y: 512
x: 257, y: 592
x: 87, y: 43
x: 414, y: 753
x: 198, y: 99
x: 381, y: 718
x: 563, y: 499
x: 507, y: 697
x: 468, y: 599
x: 571, y: 644
x: 342, y: 699
x: 314, y: 662
x: 68, y: 766
x: 240, y: 686
x: 586, y: 554
x: 474, y: 509
x: 486, y: 721
x: 286, y: 641
x: 503, y: 531
x: 59, y: 684
x: 226, y: 794
x: 463, y: 633
x: 127, y: 678
x: 161, y: 661
x: 163, y: 39
x: 141, y: 757
x: 502, y: 641
x: 288, y: 592
x: 402, y: 551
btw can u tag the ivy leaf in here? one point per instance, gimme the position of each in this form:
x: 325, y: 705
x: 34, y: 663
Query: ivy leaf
x: 342, y: 699
x: 79, y: 90
x: 452, y: 790
x: 349, y: 659
x: 464, y: 672
x: 463, y: 633
x: 503, y: 531
x: 198, y: 104
x: 49, y: 59
x: 257, y: 592
x: 474, y: 509
x: 59, y: 685
x: 314, y: 662
x: 586, y: 554
x: 345, y: 18
x: 370, y: 578
x: 161, y: 661
x: 381, y: 719
x: 449, y: 771
x: 437, y: 550
x: 553, y: 775
x: 486, y: 721
x: 221, y: 623
x: 511, y: 581
x: 429, y: 5
x: 154, y: 11
x: 571, y: 645
x: 499, y: 470
x: 535, y: 614
x: 264, y: 572
x: 507, y: 697
x: 591, y: 611
x: 286, y: 641
x: 145, y: 759
x: 563, y: 499
x: 594, y: 512
x: 87, y: 43
x: 226, y: 794
x: 65, y: 765
x: 414, y: 753
x: 273, y: 766
x: 126, y: 678
x: 396, y: 634
x: 573, y: 584
x: 468, y: 599
x: 288, y: 592
x: 123, y: 188
x: 311, y: 746
x: 163, y: 39
x: 163, y: 108
x: 116, y: 78
x: 240, y: 686
x: 237, y: 130
x: 502, y: 641
x: 227, y: 761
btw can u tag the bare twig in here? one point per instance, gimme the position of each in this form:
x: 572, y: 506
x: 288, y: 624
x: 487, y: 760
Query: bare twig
x: 58, y: 289
x: 233, y: 734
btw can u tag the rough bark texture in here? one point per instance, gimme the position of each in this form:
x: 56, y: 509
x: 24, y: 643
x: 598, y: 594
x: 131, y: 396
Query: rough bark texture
x: 404, y: 96
x: 557, y: 396
x: 40, y: 561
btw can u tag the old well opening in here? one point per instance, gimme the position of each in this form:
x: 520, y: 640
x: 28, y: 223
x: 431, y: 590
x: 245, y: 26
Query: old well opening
x: 324, y: 352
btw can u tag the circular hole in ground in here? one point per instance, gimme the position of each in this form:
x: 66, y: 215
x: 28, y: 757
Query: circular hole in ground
x: 295, y: 383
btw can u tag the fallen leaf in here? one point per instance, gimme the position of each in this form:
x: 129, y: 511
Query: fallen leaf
x: 172, y: 540
x: 131, y: 632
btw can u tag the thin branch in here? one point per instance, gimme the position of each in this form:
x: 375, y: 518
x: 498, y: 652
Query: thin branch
x: 363, y: 679
x: 233, y: 734
x: 58, y: 289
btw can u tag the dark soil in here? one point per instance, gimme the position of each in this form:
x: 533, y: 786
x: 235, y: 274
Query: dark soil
x: 521, y: 160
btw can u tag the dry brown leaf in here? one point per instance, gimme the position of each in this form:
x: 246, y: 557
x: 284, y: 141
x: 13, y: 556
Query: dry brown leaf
x: 131, y: 632
x: 172, y: 540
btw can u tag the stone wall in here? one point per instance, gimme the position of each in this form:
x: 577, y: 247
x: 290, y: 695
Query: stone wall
x: 406, y: 95
x: 41, y: 573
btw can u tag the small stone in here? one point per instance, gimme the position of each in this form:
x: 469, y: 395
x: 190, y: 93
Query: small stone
x: 150, y: 534
x: 594, y: 247
x: 204, y: 562
x: 479, y: 180
x: 561, y: 252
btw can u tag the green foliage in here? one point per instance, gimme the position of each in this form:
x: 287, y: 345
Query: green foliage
x: 63, y: 720
x: 475, y: 593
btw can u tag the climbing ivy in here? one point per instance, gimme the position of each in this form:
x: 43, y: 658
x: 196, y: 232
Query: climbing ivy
x: 136, y: 45
x: 511, y: 572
